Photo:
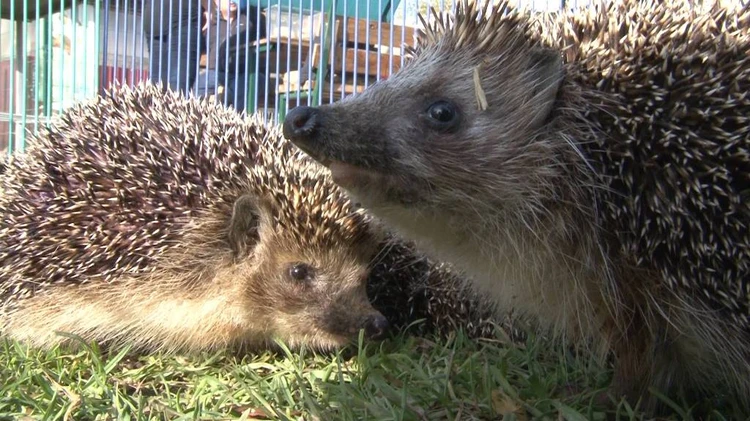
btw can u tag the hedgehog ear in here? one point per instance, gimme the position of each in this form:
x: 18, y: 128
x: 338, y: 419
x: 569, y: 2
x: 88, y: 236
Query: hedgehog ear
x: 249, y: 215
x: 546, y: 68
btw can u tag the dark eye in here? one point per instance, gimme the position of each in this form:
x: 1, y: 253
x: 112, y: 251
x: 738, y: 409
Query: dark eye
x: 442, y: 115
x: 300, y: 272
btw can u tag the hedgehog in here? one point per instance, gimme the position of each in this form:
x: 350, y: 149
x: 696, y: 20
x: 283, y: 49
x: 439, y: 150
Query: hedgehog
x: 586, y: 168
x: 172, y: 223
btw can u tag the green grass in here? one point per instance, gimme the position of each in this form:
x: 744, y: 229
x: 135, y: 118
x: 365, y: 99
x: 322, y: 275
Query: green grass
x: 404, y: 378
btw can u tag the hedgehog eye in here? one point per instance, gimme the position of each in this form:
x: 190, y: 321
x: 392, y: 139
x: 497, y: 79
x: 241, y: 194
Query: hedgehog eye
x: 442, y: 115
x: 301, y: 272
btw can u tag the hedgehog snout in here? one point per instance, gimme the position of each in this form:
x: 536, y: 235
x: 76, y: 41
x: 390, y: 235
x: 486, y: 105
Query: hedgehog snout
x: 376, y: 327
x: 302, y: 126
x: 300, y: 123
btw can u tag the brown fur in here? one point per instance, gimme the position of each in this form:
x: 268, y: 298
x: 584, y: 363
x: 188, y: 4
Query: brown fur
x: 601, y: 190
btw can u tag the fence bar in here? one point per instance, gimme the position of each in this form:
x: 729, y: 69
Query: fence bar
x: 12, y: 93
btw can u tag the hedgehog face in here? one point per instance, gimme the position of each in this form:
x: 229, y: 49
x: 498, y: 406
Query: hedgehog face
x: 455, y: 129
x: 310, y: 287
x: 317, y: 296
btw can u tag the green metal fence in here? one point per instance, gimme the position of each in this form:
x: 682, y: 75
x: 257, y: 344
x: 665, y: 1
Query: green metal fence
x: 42, y: 67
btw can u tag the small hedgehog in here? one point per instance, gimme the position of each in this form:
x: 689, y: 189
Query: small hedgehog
x: 588, y: 168
x: 171, y: 223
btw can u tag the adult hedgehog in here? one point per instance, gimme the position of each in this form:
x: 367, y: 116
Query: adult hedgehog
x: 590, y: 168
x: 171, y: 223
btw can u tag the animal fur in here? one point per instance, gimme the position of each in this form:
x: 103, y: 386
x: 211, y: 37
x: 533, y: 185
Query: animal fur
x: 589, y: 168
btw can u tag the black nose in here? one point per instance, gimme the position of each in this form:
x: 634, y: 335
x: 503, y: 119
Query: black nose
x: 300, y: 122
x: 376, y: 327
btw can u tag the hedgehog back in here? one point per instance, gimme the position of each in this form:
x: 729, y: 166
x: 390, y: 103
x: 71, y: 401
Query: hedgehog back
x: 112, y: 183
x: 666, y: 89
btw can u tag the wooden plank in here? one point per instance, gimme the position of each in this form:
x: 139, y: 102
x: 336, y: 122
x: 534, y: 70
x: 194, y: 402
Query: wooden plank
x: 325, y: 97
x: 361, y: 29
x: 366, y: 63
x: 338, y: 88
x: 287, y: 52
